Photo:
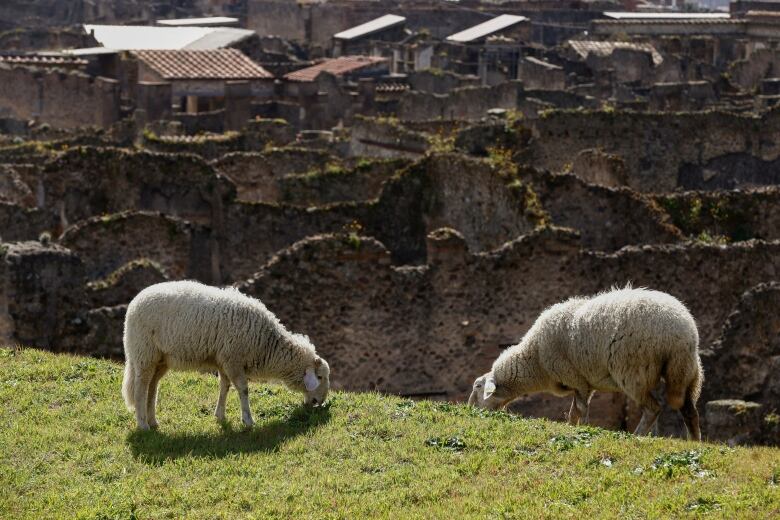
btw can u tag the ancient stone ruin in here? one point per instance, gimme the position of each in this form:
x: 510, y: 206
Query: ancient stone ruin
x: 408, y: 196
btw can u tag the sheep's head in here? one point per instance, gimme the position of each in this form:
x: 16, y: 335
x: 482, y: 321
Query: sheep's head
x: 316, y: 381
x: 486, y: 394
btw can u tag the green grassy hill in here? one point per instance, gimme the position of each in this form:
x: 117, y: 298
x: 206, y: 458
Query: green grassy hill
x: 68, y: 449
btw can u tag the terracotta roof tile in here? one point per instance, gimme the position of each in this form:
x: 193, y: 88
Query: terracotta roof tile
x: 335, y: 66
x: 204, y: 64
x: 41, y: 61
x: 585, y: 47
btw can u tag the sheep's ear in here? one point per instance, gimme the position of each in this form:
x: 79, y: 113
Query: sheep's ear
x: 310, y: 380
x: 490, y: 388
x: 317, y: 362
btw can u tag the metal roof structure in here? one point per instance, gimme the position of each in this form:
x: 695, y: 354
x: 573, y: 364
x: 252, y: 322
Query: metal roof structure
x: 374, y: 26
x: 625, y: 15
x: 499, y: 23
x: 218, y: 64
x: 585, y: 47
x: 141, y: 37
x: 199, y: 22
x: 335, y: 66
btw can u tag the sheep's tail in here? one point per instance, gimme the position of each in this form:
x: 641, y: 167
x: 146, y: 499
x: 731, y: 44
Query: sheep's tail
x: 684, y: 378
x: 128, y: 385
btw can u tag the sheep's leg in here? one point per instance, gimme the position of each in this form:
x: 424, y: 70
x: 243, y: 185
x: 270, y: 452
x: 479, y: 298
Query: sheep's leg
x: 691, y: 418
x: 238, y: 377
x: 651, y: 409
x: 143, y: 377
x: 151, y: 403
x: 579, y: 407
x: 224, y: 386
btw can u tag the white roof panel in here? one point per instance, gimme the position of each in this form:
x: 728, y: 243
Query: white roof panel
x: 212, y: 20
x: 486, y: 28
x: 142, y: 37
x: 375, y: 25
x: 620, y: 15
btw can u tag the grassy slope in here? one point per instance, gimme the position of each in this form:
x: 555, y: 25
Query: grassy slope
x: 68, y: 449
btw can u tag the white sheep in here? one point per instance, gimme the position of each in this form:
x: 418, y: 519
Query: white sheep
x: 190, y: 326
x: 622, y: 340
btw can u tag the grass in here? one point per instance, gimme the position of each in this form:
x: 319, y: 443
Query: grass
x: 68, y: 449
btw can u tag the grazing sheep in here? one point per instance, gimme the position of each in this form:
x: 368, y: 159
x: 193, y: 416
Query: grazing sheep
x: 190, y: 326
x: 622, y: 340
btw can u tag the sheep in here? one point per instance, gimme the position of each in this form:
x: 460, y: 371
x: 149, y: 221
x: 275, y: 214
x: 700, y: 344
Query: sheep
x: 190, y: 326
x: 621, y: 340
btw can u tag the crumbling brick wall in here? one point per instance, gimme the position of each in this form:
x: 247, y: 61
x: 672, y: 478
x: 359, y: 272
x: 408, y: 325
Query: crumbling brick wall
x: 62, y: 99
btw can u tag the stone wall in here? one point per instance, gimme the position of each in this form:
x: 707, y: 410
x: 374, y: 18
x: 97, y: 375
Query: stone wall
x: 430, y: 330
x: 106, y: 243
x: 84, y: 182
x: 62, y: 99
x: 257, y: 175
x: 607, y: 218
x: 725, y: 215
x: 386, y: 138
x: 745, y: 359
x: 467, y: 103
x: 338, y: 184
x: 656, y: 148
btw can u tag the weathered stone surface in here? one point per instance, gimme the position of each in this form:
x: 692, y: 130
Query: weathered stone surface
x: 107, y: 243
x: 105, y: 326
x: 600, y: 168
x: 744, y: 362
x: 86, y: 182
x: 725, y: 215
x: 733, y: 421
x: 607, y: 218
x: 448, y: 323
x: 122, y: 285
x: 257, y: 176
x: 21, y: 223
x: 44, y: 292
x: 657, y: 147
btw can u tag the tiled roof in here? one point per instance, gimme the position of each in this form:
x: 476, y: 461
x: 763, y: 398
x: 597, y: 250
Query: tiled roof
x: 585, y: 47
x: 335, y: 66
x: 42, y: 61
x: 392, y: 87
x: 213, y: 64
x: 378, y: 24
x: 499, y: 23
x: 670, y: 21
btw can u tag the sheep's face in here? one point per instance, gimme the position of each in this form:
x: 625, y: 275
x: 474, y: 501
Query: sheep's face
x: 316, y: 381
x: 485, y: 394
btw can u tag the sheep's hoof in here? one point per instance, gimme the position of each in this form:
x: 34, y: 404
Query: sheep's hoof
x: 153, y: 426
x: 143, y: 427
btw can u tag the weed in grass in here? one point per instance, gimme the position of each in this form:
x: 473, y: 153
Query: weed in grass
x: 446, y: 443
x: 568, y: 442
x: 703, y: 505
x: 671, y: 464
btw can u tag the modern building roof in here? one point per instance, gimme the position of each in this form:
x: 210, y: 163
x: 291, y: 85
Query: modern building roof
x: 219, y: 64
x: 584, y: 47
x: 335, y: 66
x: 484, y: 29
x: 199, y: 22
x: 374, y: 26
x: 621, y: 15
x: 141, y: 37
